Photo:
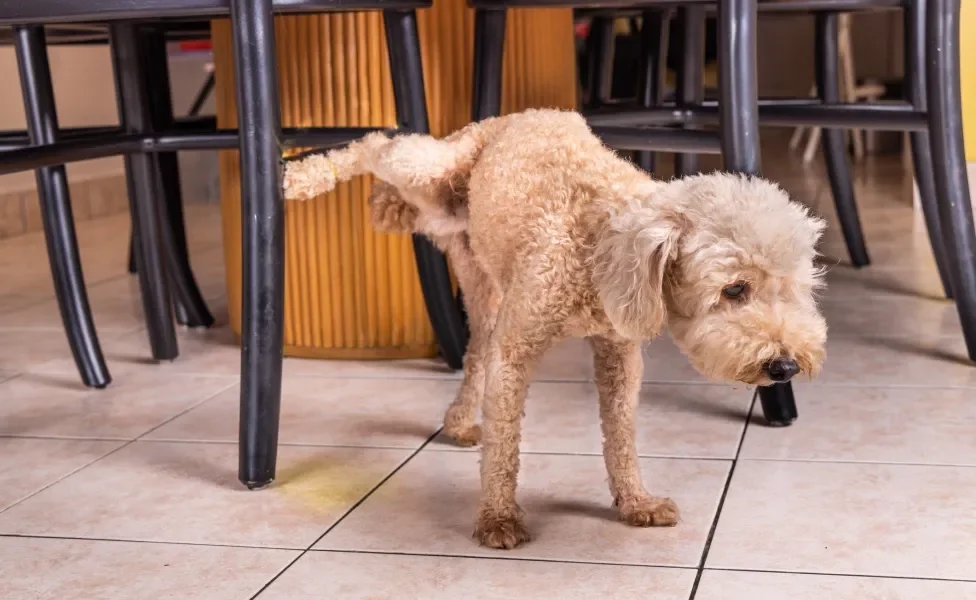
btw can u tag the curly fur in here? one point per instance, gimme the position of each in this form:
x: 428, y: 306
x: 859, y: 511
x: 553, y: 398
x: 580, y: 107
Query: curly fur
x: 552, y: 235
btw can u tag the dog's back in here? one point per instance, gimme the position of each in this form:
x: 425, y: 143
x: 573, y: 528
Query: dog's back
x: 532, y: 186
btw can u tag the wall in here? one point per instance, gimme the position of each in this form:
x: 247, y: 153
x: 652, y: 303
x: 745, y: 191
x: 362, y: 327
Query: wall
x: 84, y: 91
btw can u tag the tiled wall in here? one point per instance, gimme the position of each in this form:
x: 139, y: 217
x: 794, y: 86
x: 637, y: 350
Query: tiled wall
x: 20, y: 211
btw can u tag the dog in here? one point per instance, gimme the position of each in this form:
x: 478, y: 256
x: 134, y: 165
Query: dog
x: 552, y: 235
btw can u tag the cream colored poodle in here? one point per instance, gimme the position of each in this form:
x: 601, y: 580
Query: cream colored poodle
x: 552, y: 235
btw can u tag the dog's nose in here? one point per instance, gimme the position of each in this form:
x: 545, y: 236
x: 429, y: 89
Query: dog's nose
x: 782, y: 370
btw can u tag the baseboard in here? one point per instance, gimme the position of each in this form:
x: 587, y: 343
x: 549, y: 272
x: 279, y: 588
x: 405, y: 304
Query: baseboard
x: 20, y: 211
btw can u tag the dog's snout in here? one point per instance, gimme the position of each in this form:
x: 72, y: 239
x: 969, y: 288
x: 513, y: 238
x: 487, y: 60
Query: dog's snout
x: 782, y: 370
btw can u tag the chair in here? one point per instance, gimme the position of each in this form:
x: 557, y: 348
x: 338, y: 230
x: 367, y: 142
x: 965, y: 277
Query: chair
x: 260, y: 138
x: 737, y: 140
x: 190, y: 307
x: 931, y: 113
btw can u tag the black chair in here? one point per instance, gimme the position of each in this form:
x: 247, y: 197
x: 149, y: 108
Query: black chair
x: 931, y: 112
x: 738, y: 114
x: 260, y: 138
x: 53, y: 193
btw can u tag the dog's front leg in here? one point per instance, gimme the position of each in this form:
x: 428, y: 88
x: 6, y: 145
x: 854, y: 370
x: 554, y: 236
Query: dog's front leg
x: 514, y: 349
x: 619, y: 367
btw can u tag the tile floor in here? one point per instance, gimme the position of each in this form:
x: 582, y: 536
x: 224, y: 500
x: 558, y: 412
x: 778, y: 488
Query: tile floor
x: 131, y: 492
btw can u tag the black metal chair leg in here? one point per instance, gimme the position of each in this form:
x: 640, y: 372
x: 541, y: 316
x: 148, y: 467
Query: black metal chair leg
x: 834, y: 143
x: 690, y: 88
x: 411, y: 103
x: 599, y: 53
x: 132, y: 267
x: 201, y: 98
x: 489, y: 50
x: 949, y: 159
x: 134, y: 100
x: 915, y: 92
x: 653, y: 55
x: 739, y: 127
x: 190, y: 307
x: 263, y: 297
x: 59, y: 228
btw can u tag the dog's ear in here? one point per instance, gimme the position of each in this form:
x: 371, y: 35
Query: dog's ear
x: 630, y: 260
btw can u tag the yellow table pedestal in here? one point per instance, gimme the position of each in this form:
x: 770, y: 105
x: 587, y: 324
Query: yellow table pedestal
x: 350, y: 292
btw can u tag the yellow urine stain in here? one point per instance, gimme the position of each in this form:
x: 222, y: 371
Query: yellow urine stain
x: 325, y: 485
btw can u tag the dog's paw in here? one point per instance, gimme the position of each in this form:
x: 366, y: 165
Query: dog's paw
x: 502, y: 532
x: 307, y: 178
x: 649, y: 512
x: 465, y: 436
x: 389, y: 212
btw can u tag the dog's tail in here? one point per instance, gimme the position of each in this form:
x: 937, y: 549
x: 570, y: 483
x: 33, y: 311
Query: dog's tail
x: 408, y: 162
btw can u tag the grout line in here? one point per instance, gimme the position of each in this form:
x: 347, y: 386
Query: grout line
x: 130, y: 541
x: 342, y: 517
x: 125, y: 444
x: 721, y: 500
x: 855, y: 575
x: 503, y: 556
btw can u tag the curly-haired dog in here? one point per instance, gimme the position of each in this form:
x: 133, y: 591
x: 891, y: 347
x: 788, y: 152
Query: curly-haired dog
x: 553, y: 235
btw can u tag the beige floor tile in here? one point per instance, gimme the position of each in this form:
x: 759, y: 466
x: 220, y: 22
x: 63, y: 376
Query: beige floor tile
x: 56, y: 569
x: 347, y: 575
x: 342, y: 412
x: 24, y: 349
x: 37, y: 404
x: 872, y: 282
x: 28, y: 465
x: 884, y: 317
x: 202, y: 351
x: 860, y: 519
x: 429, y: 507
x: 116, y: 306
x: 931, y: 361
x: 695, y: 421
x: 166, y: 492
x: 572, y: 360
x: 895, y: 425
x: 741, y: 585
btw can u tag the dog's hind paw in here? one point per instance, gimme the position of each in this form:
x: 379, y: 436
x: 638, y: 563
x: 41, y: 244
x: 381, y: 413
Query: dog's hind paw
x: 389, y: 212
x: 465, y: 436
x: 649, y: 512
x: 503, y: 532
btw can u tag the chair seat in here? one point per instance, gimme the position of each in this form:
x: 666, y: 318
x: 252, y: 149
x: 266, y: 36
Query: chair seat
x: 765, y: 6
x: 43, y: 12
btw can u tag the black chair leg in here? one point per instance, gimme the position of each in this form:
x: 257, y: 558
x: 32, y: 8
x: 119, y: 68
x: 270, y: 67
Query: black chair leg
x: 599, y: 54
x: 739, y: 125
x: 59, y: 227
x: 411, y: 104
x: 190, y: 307
x: 489, y: 50
x: 132, y: 267
x: 653, y: 55
x: 834, y: 143
x: 201, y: 98
x: 690, y: 88
x: 147, y: 218
x: 263, y: 297
x: 915, y: 92
x: 949, y: 159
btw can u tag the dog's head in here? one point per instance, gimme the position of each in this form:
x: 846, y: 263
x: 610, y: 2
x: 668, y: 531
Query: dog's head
x: 726, y: 263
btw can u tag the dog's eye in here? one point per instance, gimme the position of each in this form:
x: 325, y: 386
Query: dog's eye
x: 734, y: 291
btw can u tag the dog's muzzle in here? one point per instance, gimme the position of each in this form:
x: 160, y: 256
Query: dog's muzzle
x: 781, y: 370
